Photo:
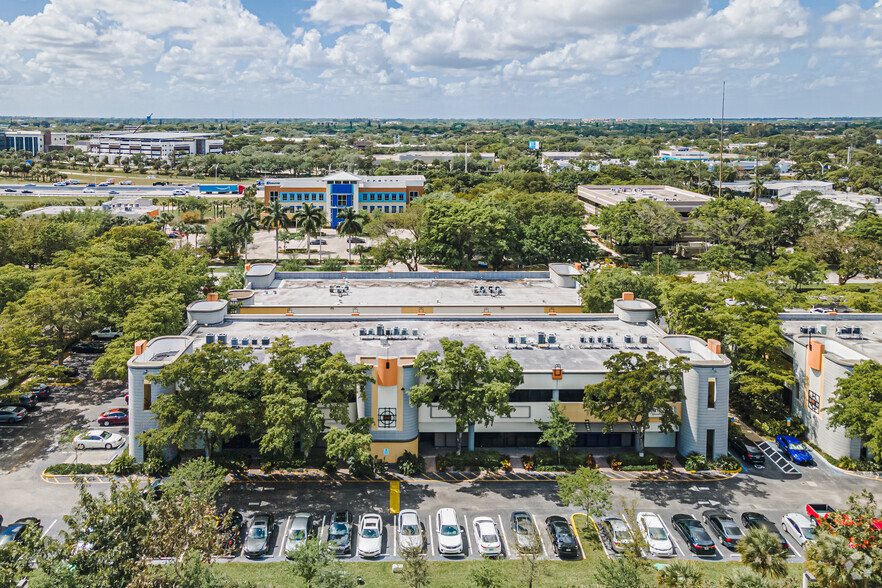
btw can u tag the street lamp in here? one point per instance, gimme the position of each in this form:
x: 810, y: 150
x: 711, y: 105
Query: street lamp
x: 215, y: 172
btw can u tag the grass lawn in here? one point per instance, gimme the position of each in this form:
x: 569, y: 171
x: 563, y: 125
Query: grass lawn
x: 20, y: 199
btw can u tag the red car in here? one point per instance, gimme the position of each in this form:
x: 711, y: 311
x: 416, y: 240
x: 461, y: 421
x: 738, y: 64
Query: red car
x: 114, y: 416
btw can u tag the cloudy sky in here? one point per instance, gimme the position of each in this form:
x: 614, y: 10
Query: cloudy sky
x: 440, y: 58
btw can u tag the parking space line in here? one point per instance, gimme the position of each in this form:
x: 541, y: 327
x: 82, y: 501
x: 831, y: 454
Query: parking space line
x: 322, y: 528
x: 504, y: 538
x: 429, y: 538
x: 466, y: 529
x: 284, y: 536
x: 47, y: 529
x: 395, y: 537
x: 539, y: 534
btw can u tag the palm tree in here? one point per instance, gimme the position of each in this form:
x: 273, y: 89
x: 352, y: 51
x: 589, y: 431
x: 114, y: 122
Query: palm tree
x: 756, y: 190
x: 243, y: 225
x: 746, y: 579
x: 680, y: 574
x: 350, y: 222
x: 275, y: 218
x: 310, y: 219
x: 761, y: 551
x: 837, y: 565
x: 164, y: 219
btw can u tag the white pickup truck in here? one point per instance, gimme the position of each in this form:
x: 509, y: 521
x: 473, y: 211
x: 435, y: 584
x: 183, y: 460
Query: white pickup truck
x: 106, y: 333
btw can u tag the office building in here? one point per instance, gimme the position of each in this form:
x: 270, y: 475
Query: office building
x: 385, y: 320
x: 594, y: 198
x: 341, y: 190
x: 430, y: 156
x: 126, y: 206
x: 167, y: 146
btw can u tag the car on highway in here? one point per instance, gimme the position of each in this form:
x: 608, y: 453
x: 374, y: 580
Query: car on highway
x: 724, y: 527
x: 12, y: 414
x: 257, y: 540
x: 10, y: 190
x: 697, y: 539
x: 410, y: 530
x: 618, y: 533
x: 340, y: 533
x: 113, y: 192
x: 30, y: 185
x: 370, y: 536
x: 102, y: 184
x: 799, y: 527
x: 88, y: 347
x: 59, y: 184
x: 14, y: 531
x: 114, y: 417
x: 654, y: 533
x: 27, y: 401
x: 98, y: 440
x: 487, y: 537
x: 106, y: 333
x: 526, y: 539
x: 302, y: 528
x: 755, y: 520
x: 179, y: 192
x: 88, y: 191
x: 746, y: 451
x: 449, y: 532
x: 794, y: 450
x: 27, y: 191
x: 563, y: 542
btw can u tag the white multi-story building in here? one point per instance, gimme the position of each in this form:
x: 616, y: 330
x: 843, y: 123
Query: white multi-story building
x: 159, y: 145
x: 341, y: 190
x: 385, y: 322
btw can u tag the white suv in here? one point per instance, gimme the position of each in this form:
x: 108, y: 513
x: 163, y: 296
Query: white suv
x: 449, y: 532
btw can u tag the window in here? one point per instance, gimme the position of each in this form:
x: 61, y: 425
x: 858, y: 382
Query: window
x: 148, y: 395
x: 577, y: 395
x: 386, y: 416
x: 711, y: 392
x: 710, y: 444
x: 530, y: 396
x: 387, y: 197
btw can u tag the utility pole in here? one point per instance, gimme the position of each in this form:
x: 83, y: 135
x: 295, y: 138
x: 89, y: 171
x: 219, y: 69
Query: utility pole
x: 722, y: 118
x: 467, y: 159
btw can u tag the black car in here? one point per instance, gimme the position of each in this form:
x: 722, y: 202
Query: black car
x: 755, y: 520
x: 41, y: 391
x: 27, y: 191
x: 697, y: 539
x: 14, y: 531
x: 749, y: 454
x: 562, y: 540
x: 340, y: 533
x: 28, y: 401
x: 257, y: 540
x: 88, y: 347
x: 724, y: 527
x: 153, y: 491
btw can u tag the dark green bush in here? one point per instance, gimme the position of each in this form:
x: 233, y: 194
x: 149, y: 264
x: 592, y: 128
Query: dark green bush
x: 547, y: 457
x: 727, y: 463
x: 696, y: 462
x: 124, y: 465
x: 65, y: 469
x: 633, y: 458
x: 639, y: 468
x: 479, y: 458
x: 410, y: 464
x: 773, y: 427
x: 859, y: 465
x: 556, y: 468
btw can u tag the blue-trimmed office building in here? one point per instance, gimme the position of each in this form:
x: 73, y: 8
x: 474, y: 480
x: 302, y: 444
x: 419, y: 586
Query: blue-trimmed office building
x: 390, y: 194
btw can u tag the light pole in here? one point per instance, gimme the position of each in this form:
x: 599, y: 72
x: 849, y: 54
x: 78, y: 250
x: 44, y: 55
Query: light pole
x: 215, y: 172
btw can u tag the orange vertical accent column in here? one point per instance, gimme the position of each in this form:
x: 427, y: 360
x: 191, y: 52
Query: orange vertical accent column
x: 815, y: 353
x: 387, y: 372
x: 627, y: 296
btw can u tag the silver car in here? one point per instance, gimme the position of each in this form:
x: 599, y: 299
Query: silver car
x: 301, y: 529
x: 410, y: 530
x: 526, y: 538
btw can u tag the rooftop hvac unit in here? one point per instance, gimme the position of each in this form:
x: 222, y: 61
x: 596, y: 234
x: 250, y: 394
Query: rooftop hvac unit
x: 609, y: 340
x: 255, y: 341
x: 552, y: 339
x: 416, y: 333
x: 512, y: 340
x: 209, y: 338
x: 643, y: 339
x: 234, y: 342
x: 523, y: 340
x: 822, y: 329
x: 629, y: 339
x: 244, y: 342
x: 362, y: 332
x: 591, y: 339
x: 843, y: 330
x: 380, y: 330
x: 404, y: 332
x: 807, y: 330
x: 857, y: 331
x: 583, y: 339
x: 396, y: 331
x: 370, y: 332
x: 222, y: 338
x: 384, y: 341
x: 265, y: 341
x: 541, y: 338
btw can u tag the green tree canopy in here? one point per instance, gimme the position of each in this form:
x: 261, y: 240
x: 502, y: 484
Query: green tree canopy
x: 857, y: 405
x: 640, y: 223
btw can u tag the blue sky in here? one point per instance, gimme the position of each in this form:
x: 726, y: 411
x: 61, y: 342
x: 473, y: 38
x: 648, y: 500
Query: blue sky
x: 440, y: 58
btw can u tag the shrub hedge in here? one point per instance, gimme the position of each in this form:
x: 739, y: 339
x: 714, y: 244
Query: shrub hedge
x: 411, y: 464
x: 479, y: 458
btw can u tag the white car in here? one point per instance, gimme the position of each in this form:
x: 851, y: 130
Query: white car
x: 88, y: 191
x: 410, y: 531
x: 180, y: 192
x: 370, y: 536
x: 799, y: 527
x: 487, y: 537
x: 653, y: 531
x: 449, y: 532
x: 98, y: 440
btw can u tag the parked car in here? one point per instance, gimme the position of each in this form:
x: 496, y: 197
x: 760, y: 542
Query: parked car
x: 749, y: 453
x: 98, y: 440
x: 231, y: 531
x: 340, y: 533
x: 41, y: 391
x: 563, y: 542
x: 724, y: 527
x: 487, y: 537
x: 818, y: 510
x: 114, y: 416
x: 410, y: 530
x: 88, y: 347
x: 799, y: 527
x: 174, y: 235
x: 617, y: 532
x: 257, y: 540
x: 355, y: 240
x: 755, y: 520
x: 653, y: 530
x: 12, y: 414
x: 302, y: 528
x: 318, y: 242
x: 370, y: 536
x: 526, y: 539
x: 60, y: 184
x: 106, y: 333
x: 697, y: 539
x: 154, y: 490
x: 449, y: 532
x: 14, y: 531
x: 27, y: 401
x: 794, y: 450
